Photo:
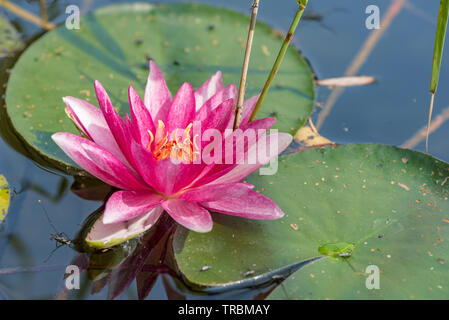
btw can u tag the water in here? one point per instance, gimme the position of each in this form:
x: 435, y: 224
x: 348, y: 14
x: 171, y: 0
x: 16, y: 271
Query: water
x: 389, y: 112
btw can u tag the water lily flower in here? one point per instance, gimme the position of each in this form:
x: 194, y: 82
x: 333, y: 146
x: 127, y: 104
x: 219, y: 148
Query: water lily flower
x: 152, y: 156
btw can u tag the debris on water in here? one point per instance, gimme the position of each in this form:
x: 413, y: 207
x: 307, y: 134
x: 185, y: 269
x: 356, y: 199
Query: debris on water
x: 205, y: 268
x: 403, y: 186
x: 248, y: 273
x: 345, y: 254
x: 346, y: 81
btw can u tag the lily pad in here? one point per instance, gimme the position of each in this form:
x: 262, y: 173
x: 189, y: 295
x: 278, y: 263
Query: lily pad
x: 189, y: 42
x: 356, y: 206
x: 4, y: 197
x: 10, y: 40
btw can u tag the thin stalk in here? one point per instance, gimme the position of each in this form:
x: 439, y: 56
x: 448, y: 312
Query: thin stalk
x: 421, y: 134
x: 429, y: 121
x: 43, y: 11
x: 437, y: 55
x: 27, y: 15
x: 288, y: 38
x: 249, y: 43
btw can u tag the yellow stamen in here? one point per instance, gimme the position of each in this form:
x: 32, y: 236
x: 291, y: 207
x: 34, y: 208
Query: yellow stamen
x: 176, y: 147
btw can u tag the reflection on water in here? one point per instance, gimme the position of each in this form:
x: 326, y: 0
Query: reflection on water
x: 389, y: 112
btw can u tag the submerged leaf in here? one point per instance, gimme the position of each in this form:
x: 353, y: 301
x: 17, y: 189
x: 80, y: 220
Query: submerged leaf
x: 9, y: 38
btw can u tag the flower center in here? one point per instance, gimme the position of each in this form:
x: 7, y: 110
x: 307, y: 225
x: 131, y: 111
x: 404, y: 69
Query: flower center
x: 177, y: 147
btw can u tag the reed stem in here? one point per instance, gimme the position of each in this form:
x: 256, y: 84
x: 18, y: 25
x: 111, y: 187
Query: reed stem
x: 288, y: 38
x: 27, y: 15
x: 249, y: 43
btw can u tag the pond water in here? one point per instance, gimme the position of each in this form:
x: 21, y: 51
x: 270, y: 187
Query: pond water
x: 390, y: 111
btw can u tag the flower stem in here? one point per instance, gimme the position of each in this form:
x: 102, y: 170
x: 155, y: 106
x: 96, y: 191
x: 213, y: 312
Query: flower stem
x: 288, y: 38
x: 249, y: 43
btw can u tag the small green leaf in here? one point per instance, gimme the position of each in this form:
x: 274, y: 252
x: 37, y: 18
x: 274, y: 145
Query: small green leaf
x: 339, y: 249
x: 4, y: 197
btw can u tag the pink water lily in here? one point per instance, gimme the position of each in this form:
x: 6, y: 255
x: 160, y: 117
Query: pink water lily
x: 136, y: 155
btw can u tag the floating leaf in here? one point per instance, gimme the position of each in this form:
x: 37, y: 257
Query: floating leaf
x: 4, y: 197
x: 189, y: 42
x: 356, y: 206
x: 9, y: 38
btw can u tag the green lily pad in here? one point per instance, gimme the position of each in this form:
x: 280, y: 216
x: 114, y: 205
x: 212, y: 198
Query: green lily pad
x: 356, y: 206
x: 189, y: 42
x: 4, y: 197
x: 10, y: 40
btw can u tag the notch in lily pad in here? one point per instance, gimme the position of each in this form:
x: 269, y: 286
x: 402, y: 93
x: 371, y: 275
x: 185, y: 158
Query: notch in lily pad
x: 338, y: 249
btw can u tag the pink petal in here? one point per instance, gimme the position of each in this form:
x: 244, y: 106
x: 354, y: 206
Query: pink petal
x: 208, y: 89
x: 216, y: 119
x: 247, y: 110
x: 251, y: 205
x: 91, y: 121
x: 120, y: 130
x: 229, y: 92
x: 107, y: 235
x: 216, y: 192
x: 189, y: 214
x: 182, y: 109
x: 214, y: 171
x: 241, y: 171
x: 161, y: 175
x: 98, y: 161
x: 157, y: 96
x: 141, y: 116
x: 126, y: 205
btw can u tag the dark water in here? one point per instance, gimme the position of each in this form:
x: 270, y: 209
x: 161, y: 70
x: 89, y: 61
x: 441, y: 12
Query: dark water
x: 389, y: 111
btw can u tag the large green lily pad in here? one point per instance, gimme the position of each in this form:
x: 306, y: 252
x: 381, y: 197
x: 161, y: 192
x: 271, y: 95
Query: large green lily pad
x: 4, y: 197
x: 189, y: 42
x: 356, y: 206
